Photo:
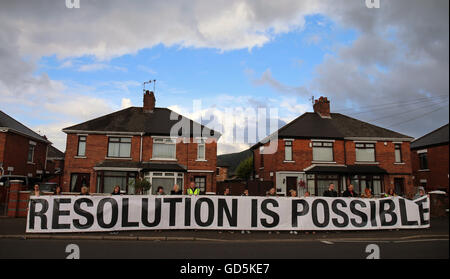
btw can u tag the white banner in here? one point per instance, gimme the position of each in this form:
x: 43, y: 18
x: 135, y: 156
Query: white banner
x: 120, y: 213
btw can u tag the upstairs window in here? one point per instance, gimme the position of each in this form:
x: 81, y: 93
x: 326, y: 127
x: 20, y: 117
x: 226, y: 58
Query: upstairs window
x: 81, y: 146
x: 31, y: 148
x: 398, y: 153
x: 201, y: 150
x: 423, y: 161
x: 119, y: 147
x: 288, y: 150
x: 365, y: 152
x: 164, y: 148
x: 323, y: 151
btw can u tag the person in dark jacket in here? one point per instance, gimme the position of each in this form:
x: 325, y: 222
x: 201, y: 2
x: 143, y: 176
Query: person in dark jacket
x: 116, y: 190
x: 330, y: 192
x: 349, y: 192
x: 176, y: 190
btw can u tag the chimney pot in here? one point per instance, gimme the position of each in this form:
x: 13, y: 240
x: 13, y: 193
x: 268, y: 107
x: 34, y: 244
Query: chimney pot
x: 322, y: 107
x: 149, y: 101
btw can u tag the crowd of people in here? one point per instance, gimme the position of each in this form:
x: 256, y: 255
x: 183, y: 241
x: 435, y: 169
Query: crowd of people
x: 272, y: 192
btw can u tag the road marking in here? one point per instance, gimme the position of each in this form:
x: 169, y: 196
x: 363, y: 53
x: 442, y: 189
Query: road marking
x: 420, y: 240
x: 327, y: 242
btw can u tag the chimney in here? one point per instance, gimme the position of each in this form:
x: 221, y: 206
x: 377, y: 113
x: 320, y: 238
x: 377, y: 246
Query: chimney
x: 149, y: 101
x: 322, y: 107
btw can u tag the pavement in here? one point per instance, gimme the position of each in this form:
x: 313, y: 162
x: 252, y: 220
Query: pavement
x: 14, y: 228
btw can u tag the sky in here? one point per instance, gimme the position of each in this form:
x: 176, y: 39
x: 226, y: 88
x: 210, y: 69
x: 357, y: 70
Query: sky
x: 62, y: 66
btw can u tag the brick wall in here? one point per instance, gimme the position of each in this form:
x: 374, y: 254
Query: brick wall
x: 344, y: 153
x: 223, y: 174
x: 14, y: 153
x: 438, y: 165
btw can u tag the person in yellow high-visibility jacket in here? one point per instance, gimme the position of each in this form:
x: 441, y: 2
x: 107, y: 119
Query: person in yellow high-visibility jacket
x: 192, y: 190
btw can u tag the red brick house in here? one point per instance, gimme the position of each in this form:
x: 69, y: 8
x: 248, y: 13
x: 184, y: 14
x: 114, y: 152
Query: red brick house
x: 138, y: 141
x: 55, y: 165
x: 22, y: 151
x: 429, y: 156
x: 321, y: 147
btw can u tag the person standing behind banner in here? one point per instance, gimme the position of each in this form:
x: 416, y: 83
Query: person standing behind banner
x: 307, y: 194
x: 84, y: 191
x: 245, y: 193
x: 160, y: 191
x: 349, y: 192
x: 272, y: 192
x: 116, y: 190
x: 36, y: 191
x: 176, y: 190
x: 390, y: 193
x: 57, y: 191
x: 330, y: 192
x: 193, y: 190
x: 227, y: 191
x: 421, y: 192
x: 367, y: 193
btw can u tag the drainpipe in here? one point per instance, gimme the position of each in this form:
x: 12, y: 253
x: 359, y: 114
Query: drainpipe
x: 140, y: 152
x: 46, y: 156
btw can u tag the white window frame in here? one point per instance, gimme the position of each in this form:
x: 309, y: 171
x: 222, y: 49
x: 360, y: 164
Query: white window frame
x: 119, y: 142
x: 162, y: 174
x: 32, y: 153
x: 164, y: 140
x: 374, y: 151
x: 323, y: 142
x: 201, y: 142
x: 286, y: 145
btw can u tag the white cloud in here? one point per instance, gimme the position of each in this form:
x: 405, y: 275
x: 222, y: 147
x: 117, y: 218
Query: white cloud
x: 100, y: 66
x: 126, y: 103
x: 417, y: 58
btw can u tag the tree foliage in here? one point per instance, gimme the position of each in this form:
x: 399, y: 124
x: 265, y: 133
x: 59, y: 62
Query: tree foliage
x: 245, y: 168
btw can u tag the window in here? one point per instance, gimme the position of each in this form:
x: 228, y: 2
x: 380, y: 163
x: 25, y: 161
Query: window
x: 398, y: 153
x: 217, y: 171
x: 201, y: 149
x: 323, y: 151
x: 31, y: 153
x: 288, y: 150
x: 365, y: 152
x: 81, y: 146
x: 361, y: 182
x: 164, y: 148
x: 106, y: 181
x: 200, y: 182
x: 423, y: 161
x: 119, y: 147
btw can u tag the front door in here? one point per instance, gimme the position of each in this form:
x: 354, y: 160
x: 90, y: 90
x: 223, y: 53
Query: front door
x: 291, y: 184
